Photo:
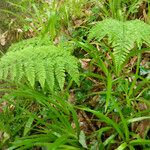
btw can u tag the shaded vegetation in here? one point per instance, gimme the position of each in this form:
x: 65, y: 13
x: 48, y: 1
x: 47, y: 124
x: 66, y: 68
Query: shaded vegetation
x: 76, y: 76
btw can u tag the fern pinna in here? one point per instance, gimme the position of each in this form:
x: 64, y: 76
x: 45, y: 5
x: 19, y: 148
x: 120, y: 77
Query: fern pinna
x: 123, y: 36
x: 38, y: 60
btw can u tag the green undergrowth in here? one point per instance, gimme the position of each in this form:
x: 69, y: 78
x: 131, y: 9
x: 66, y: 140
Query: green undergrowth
x: 82, y: 81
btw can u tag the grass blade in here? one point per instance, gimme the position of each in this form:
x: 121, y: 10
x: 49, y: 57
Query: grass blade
x: 28, y: 125
x: 140, y: 142
x: 105, y: 119
x: 122, y: 146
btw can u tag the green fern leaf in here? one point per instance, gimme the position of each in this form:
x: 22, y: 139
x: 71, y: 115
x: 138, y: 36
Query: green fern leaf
x: 122, y: 36
x: 29, y: 72
x: 1, y: 73
x: 13, y: 71
x: 50, y: 75
x: 36, y: 62
x: 31, y: 43
x: 60, y: 72
x: 19, y: 74
x: 41, y: 73
x: 5, y: 72
x: 72, y: 69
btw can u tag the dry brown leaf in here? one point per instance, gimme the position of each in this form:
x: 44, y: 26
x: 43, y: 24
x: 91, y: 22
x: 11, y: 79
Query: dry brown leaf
x: 3, y: 38
x: 71, y: 98
x: 85, y: 63
x: 142, y: 127
x: 93, y: 102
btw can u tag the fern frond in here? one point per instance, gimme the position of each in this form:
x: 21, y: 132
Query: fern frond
x: 50, y: 79
x: 60, y: 72
x: 29, y: 72
x: 40, y: 72
x: 122, y: 36
x: 72, y: 69
x: 19, y: 72
x: 38, y: 62
x: 32, y: 43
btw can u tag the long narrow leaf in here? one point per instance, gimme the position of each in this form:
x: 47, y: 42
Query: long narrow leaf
x: 140, y: 142
x: 106, y: 119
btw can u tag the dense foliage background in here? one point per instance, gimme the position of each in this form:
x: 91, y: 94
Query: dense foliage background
x: 75, y: 74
